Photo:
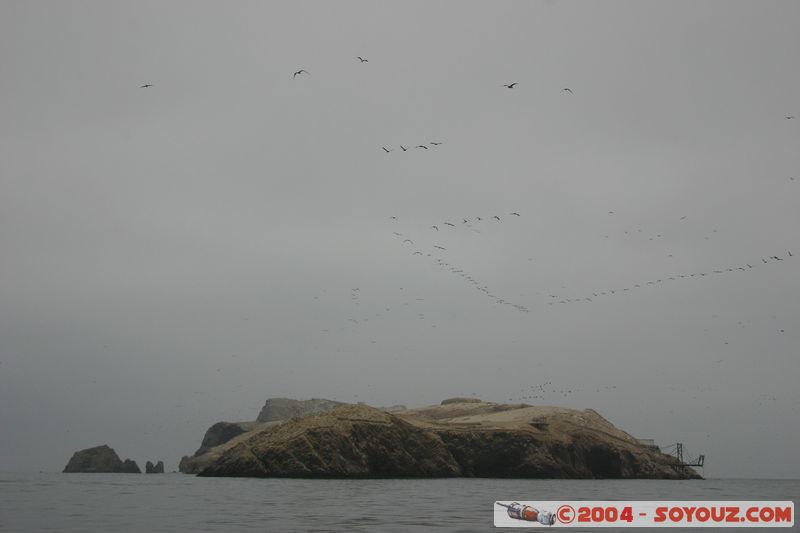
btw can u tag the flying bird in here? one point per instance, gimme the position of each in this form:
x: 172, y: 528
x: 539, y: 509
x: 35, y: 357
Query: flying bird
x: 145, y: 86
x: 301, y: 71
x: 421, y: 146
x: 567, y: 90
x: 450, y: 224
x: 435, y: 227
x: 385, y: 149
x: 510, y: 85
x: 497, y: 217
x: 403, y: 148
x: 515, y: 214
x: 408, y: 240
x: 435, y: 143
x: 789, y: 117
x: 439, y: 247
x: 363, y: 60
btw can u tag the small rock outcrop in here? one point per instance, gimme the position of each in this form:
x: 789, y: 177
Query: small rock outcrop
x: 158, y: 468
x: 286, y: 408
x: 129, y: 466
x: 100, y: 459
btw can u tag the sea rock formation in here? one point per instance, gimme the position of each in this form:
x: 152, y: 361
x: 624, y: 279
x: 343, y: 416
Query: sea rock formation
x: 286, y: 408
x: 220, y: 436
x: 458, y: 438
x: 100, y: 459
x: 158, y: 468
x: 348, y: 441
x: 129, y: 466
x: 214, y: 439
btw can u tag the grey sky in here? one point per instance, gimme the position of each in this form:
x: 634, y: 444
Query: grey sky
x: 171, y: 257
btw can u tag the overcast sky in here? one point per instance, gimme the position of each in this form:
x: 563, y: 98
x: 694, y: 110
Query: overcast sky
x: 173, y: 256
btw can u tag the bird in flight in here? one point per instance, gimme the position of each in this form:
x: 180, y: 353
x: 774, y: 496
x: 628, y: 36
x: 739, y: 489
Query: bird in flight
x: 417, y: 253
x: 385, y: 149
x: 403, y: 148
x: 435, y: 143
x: 408, y: 240
x: 449, y: 224
x: 510, y: 85
x: 439, y: 247
x: 567, y: 90
x: 421, y: 146
x: 497, y: 217
x: 789, y: 117
x: 146, y: 85
x: 363, y: 60
x: 515, y: 214
x: 435, y: 227
x: 301, y: 71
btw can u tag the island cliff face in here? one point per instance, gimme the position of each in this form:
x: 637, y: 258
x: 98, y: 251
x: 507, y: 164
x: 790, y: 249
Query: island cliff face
x: 458, y: 438
x: 100, y: 459
x: 220, y: 436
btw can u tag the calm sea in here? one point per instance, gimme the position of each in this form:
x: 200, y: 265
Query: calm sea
x: 177, y: 502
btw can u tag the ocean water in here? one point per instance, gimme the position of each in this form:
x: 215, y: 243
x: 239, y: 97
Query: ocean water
x: 181, y: 503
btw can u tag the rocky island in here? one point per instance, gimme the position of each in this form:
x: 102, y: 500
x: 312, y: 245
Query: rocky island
x: 100, y: 459
x: 462, y: 437
x: 150, y: 468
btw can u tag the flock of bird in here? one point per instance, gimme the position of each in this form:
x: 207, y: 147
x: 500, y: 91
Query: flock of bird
x: 436, y: 250
x: 545, y: 391
x: 407, y: 148
x: 665, y: 279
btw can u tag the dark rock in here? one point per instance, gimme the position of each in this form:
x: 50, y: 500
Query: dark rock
x: 219, y: 433
x: 222, y: 435
x: 129, y: 466
x: 100, y: 459
x: 184, y: 465
x: 158, y: 468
